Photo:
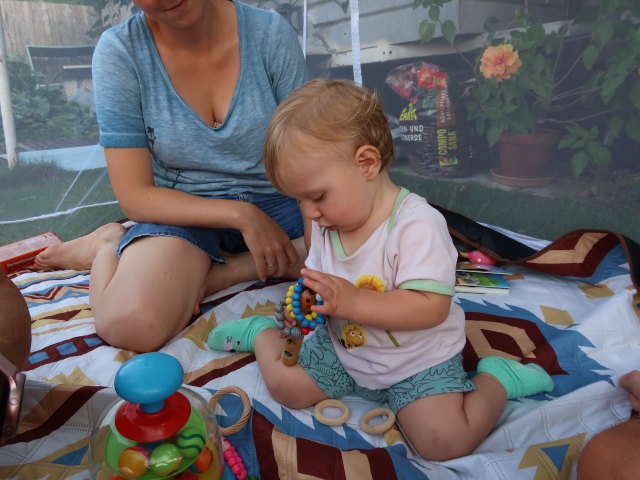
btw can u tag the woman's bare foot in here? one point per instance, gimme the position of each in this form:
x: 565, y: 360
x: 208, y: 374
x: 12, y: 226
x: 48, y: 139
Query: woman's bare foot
x: 78, y: 254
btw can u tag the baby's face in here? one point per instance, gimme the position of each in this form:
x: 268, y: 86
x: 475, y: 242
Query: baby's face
x: 327, y: 182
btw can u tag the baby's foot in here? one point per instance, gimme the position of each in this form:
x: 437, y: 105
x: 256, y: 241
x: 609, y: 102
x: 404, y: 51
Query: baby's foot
x: 518, y: 380
x: 78, y: 254
x: 238, y: 335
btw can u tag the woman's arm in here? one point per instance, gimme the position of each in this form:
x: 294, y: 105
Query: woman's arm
x: 141, y: 200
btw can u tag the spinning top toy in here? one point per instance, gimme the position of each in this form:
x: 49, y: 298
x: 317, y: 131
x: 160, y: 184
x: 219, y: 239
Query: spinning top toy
x: 158, y: 430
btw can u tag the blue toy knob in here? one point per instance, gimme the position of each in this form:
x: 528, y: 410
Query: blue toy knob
x: 153, y: 409
x: 148, y: 379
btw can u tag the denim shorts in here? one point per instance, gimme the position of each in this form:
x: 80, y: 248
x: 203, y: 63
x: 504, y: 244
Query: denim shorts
x: 318, y: 358
x: 283, y: 210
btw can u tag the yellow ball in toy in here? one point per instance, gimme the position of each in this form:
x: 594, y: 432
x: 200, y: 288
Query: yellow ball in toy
x: 133, y: 462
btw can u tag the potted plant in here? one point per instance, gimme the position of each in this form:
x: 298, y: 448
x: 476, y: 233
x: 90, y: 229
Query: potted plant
x: 579, y: 77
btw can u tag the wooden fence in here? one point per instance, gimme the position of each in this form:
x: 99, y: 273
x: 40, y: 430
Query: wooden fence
x: 39, y: 23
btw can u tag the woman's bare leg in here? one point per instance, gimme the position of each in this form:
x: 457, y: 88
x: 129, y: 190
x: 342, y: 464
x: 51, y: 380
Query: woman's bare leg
x: 113, y: 303
x: 78, y: 254
x: 146, y: 297
x: 241, y: 268
x: 450, y: 425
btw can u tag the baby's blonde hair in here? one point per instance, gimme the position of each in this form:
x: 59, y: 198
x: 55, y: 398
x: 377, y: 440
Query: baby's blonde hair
x: 330, y: 111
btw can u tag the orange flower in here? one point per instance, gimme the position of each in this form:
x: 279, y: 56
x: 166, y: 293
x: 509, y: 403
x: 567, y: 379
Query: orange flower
x: 500, y: 62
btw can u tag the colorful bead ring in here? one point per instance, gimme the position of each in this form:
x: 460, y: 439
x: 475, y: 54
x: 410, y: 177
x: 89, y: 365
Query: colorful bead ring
x: 296, y: 308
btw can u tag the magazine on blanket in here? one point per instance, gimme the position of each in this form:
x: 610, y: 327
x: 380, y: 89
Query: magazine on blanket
x: 474, y: 278
x: 479, y: 268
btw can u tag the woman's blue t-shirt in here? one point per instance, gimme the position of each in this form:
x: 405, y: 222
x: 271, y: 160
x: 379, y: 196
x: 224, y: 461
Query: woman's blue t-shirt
x: 137, y: 106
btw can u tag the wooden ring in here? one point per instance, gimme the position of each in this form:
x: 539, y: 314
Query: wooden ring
x: 380, y: 428
x: 246, y: 408
x: 330, y: 421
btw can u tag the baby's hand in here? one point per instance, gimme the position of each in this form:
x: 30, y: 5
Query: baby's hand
x: 338, y: 294
x: 631, y: 382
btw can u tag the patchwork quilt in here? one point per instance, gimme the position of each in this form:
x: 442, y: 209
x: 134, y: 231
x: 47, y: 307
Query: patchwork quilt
x: 573, y: 308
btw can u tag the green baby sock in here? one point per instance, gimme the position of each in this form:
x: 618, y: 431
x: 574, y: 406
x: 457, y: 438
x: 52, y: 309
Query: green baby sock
x: 517, y: 379
x: 238, y: 336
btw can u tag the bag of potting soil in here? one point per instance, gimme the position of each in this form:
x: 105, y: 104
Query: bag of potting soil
x: 435, y: 143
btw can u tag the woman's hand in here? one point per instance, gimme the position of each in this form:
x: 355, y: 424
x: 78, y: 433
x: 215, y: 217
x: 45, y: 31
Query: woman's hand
x: 631, y: 383
x: 271, y: 248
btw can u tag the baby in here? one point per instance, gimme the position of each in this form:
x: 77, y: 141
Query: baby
x: 382, y: 260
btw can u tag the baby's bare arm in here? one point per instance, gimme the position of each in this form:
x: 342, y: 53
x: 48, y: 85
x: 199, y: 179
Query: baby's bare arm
x: 397, y: 309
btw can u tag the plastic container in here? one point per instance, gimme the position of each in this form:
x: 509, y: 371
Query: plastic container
x: 158, y: 429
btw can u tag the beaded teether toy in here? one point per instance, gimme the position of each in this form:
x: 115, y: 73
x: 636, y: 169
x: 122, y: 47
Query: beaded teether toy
x: 297, y: 305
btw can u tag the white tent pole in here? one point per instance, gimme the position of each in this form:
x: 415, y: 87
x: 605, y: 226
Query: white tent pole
x: 6, y: 110
x: 355, y: 41
x: 304, y: 28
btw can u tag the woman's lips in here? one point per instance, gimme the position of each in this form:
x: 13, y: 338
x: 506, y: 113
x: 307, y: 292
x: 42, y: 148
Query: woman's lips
x: 178, y: 5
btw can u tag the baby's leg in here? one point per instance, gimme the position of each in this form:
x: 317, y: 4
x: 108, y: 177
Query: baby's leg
x: 147, y: 296
x: 288, y: 385
x: 450, y: 425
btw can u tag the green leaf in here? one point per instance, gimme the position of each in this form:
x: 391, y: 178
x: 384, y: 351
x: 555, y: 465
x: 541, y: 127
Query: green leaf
x: 567, y: 141
x: 491, y: 24
x: 590, y: 56
x: 493, y: 134
x: 434, y: 13
x: 427, y: 31
x: 614, y: 125
x: 598, y: 154
x: 612, y: 80
x: 536, y: 33
x: 449, y: 31
x: 635, y: 94
x: 579, y: 161
x: 483, y: 92
x: 602, y: 33
x: 632, y: 128
x: 577, y: 130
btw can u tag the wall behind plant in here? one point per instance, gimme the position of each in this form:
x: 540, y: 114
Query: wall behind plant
x: 39, y: 23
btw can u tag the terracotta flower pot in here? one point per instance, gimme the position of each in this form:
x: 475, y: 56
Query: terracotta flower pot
x: 526, y: 155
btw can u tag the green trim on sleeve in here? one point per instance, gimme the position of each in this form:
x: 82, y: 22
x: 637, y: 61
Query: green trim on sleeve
x: 428, y: 286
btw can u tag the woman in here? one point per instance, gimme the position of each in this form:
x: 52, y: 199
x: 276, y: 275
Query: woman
x: 184, y: 92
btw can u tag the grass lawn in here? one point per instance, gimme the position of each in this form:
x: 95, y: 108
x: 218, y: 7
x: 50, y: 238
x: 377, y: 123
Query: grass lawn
x: 43, y: 190
x: 31, y: 191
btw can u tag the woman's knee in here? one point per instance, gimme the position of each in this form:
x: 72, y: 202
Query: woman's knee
x: 612, y: 453
x: 138, y: 328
